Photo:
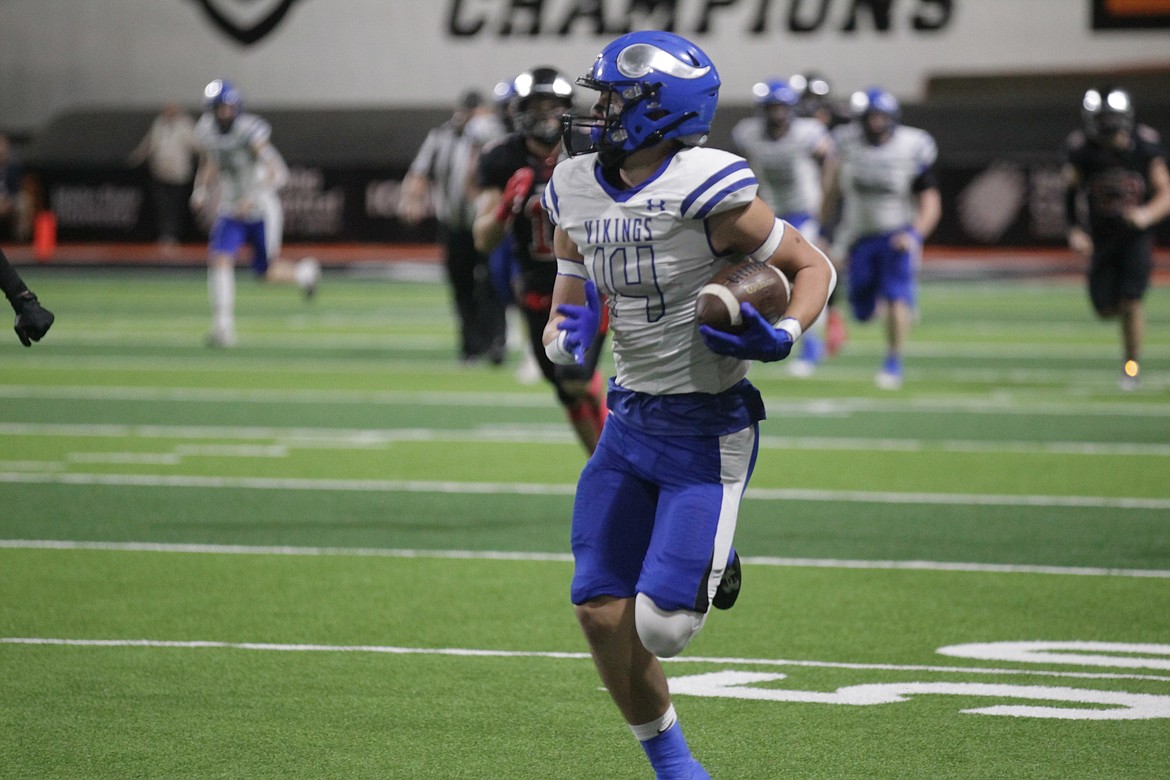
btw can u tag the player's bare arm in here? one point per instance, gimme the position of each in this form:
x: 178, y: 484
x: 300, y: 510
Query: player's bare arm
x: 1079, y: 239
x: 488, y: 230
x: 204, y: 175
x: 929, y: 211
x: 567, y: 289
x: 747, y: 229
x: 1157, y: 207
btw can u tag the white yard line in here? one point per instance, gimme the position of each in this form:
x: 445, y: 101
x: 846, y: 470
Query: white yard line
x: 496, y: 555
x: 342, y: 438
x: 544, y: 489
x: 573, y: 656
x: 1008, y: 403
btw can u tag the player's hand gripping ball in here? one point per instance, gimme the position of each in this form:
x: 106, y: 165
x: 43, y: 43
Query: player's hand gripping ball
x: 761, y: 284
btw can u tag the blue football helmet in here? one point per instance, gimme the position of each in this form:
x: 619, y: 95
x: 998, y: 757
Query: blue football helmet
x: 878, y: 113
x: 667, y: 88
x: 221, y: 92
x: 874, y: 100
x: 775, y: 92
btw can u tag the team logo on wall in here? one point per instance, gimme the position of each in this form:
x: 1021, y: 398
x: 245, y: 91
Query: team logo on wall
x: 246, y: 21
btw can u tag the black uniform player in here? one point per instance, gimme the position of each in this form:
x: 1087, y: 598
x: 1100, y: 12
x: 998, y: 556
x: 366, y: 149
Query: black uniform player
x: 1121, y: 168
x: 32, y: 320
x: 511, y: 176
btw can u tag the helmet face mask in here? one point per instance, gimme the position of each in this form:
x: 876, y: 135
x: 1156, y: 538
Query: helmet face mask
x: 877, y: 111
x: 777, y: 102
x: 541, y: 97
x: 653, y: 86
x: 1106, y: 113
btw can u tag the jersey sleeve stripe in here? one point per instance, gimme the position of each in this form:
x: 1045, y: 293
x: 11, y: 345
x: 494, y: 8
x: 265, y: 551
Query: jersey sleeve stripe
x: 741, y: 174
x: 723, y: 193
x: 550, y: 202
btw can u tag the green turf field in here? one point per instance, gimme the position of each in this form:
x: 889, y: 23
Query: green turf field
x: 334, y: 553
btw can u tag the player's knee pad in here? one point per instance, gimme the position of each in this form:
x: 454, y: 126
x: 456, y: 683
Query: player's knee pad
x: 666, y: 634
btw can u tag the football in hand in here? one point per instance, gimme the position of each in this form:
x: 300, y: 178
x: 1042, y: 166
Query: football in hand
x: 762, y: 285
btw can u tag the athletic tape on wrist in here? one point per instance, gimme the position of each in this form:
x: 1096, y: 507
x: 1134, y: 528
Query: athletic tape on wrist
x: 791, y: 326
x: 557, y: 352
x: 566, y: 267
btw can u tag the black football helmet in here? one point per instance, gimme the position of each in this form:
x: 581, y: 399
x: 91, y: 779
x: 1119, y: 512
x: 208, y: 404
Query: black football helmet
x: 542, y: 96
x: 1106, y: 111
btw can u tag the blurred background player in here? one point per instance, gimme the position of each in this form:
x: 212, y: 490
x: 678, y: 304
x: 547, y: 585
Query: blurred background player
x: 817, y: 102
x: 788, y: 154
x: 169, y: 150
x: 487, y: 128
x: 512, y: 176
x: 238, y: 171
x: 1121, y: 168
x: 32, y: 320
x: 304, y: 273
x: 442, y: 176
x: 646, y: 215
x: 884, y: 175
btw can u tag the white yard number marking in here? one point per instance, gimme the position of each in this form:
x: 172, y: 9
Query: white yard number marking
x: 1116, y: 655
x: 1110, y: 705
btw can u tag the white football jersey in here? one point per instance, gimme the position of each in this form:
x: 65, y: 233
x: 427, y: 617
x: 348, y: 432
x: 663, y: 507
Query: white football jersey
x: 647, y: 251
x: 876, y: 180
x: 789, y: 173
x: 234, y: 153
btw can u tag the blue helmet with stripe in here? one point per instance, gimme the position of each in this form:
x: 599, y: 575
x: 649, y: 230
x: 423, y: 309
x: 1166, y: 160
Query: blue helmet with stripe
x: 221, y: 92
x: 654, y: 86
x: 874, y: 100
x: 775, y: 92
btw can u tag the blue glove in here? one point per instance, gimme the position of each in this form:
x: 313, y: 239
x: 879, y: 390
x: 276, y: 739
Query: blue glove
x: 760, y: 341
x: 581, y: 322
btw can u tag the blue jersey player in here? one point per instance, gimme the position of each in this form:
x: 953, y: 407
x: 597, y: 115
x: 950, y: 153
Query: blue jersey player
x: 237, y: 160
x: 788, y: 153
x: 644, y: 216
x: 885, y: 176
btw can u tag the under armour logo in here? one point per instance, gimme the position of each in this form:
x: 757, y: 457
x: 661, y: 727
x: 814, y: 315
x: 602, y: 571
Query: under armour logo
x: 656, y: 205
x: 246, y: 25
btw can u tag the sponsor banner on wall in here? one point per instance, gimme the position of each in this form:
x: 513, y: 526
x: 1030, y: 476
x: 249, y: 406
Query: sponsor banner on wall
x: 1006, y: 203
x: 320, y: 205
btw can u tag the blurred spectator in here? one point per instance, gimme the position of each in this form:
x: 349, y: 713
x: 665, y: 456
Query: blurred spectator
x: 170, y: 147
x: 15, y: 205
x: 441, y: 178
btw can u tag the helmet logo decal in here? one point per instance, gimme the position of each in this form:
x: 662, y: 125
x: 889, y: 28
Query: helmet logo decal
x: 640, y: 59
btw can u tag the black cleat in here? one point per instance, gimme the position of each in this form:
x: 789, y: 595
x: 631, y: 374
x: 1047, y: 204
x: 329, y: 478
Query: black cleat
x: 729, y: 586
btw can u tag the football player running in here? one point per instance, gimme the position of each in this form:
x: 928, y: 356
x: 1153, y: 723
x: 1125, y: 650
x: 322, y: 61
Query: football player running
x: 788, y: 153
x: 644, y: 216
x: 1121, y: 167
x: 241, y: 171
x: 512, y: 175
x: 884, y: 175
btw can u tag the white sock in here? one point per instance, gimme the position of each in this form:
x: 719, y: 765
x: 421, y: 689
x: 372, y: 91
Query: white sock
x: 221, y: 286
x: 652, y: 729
